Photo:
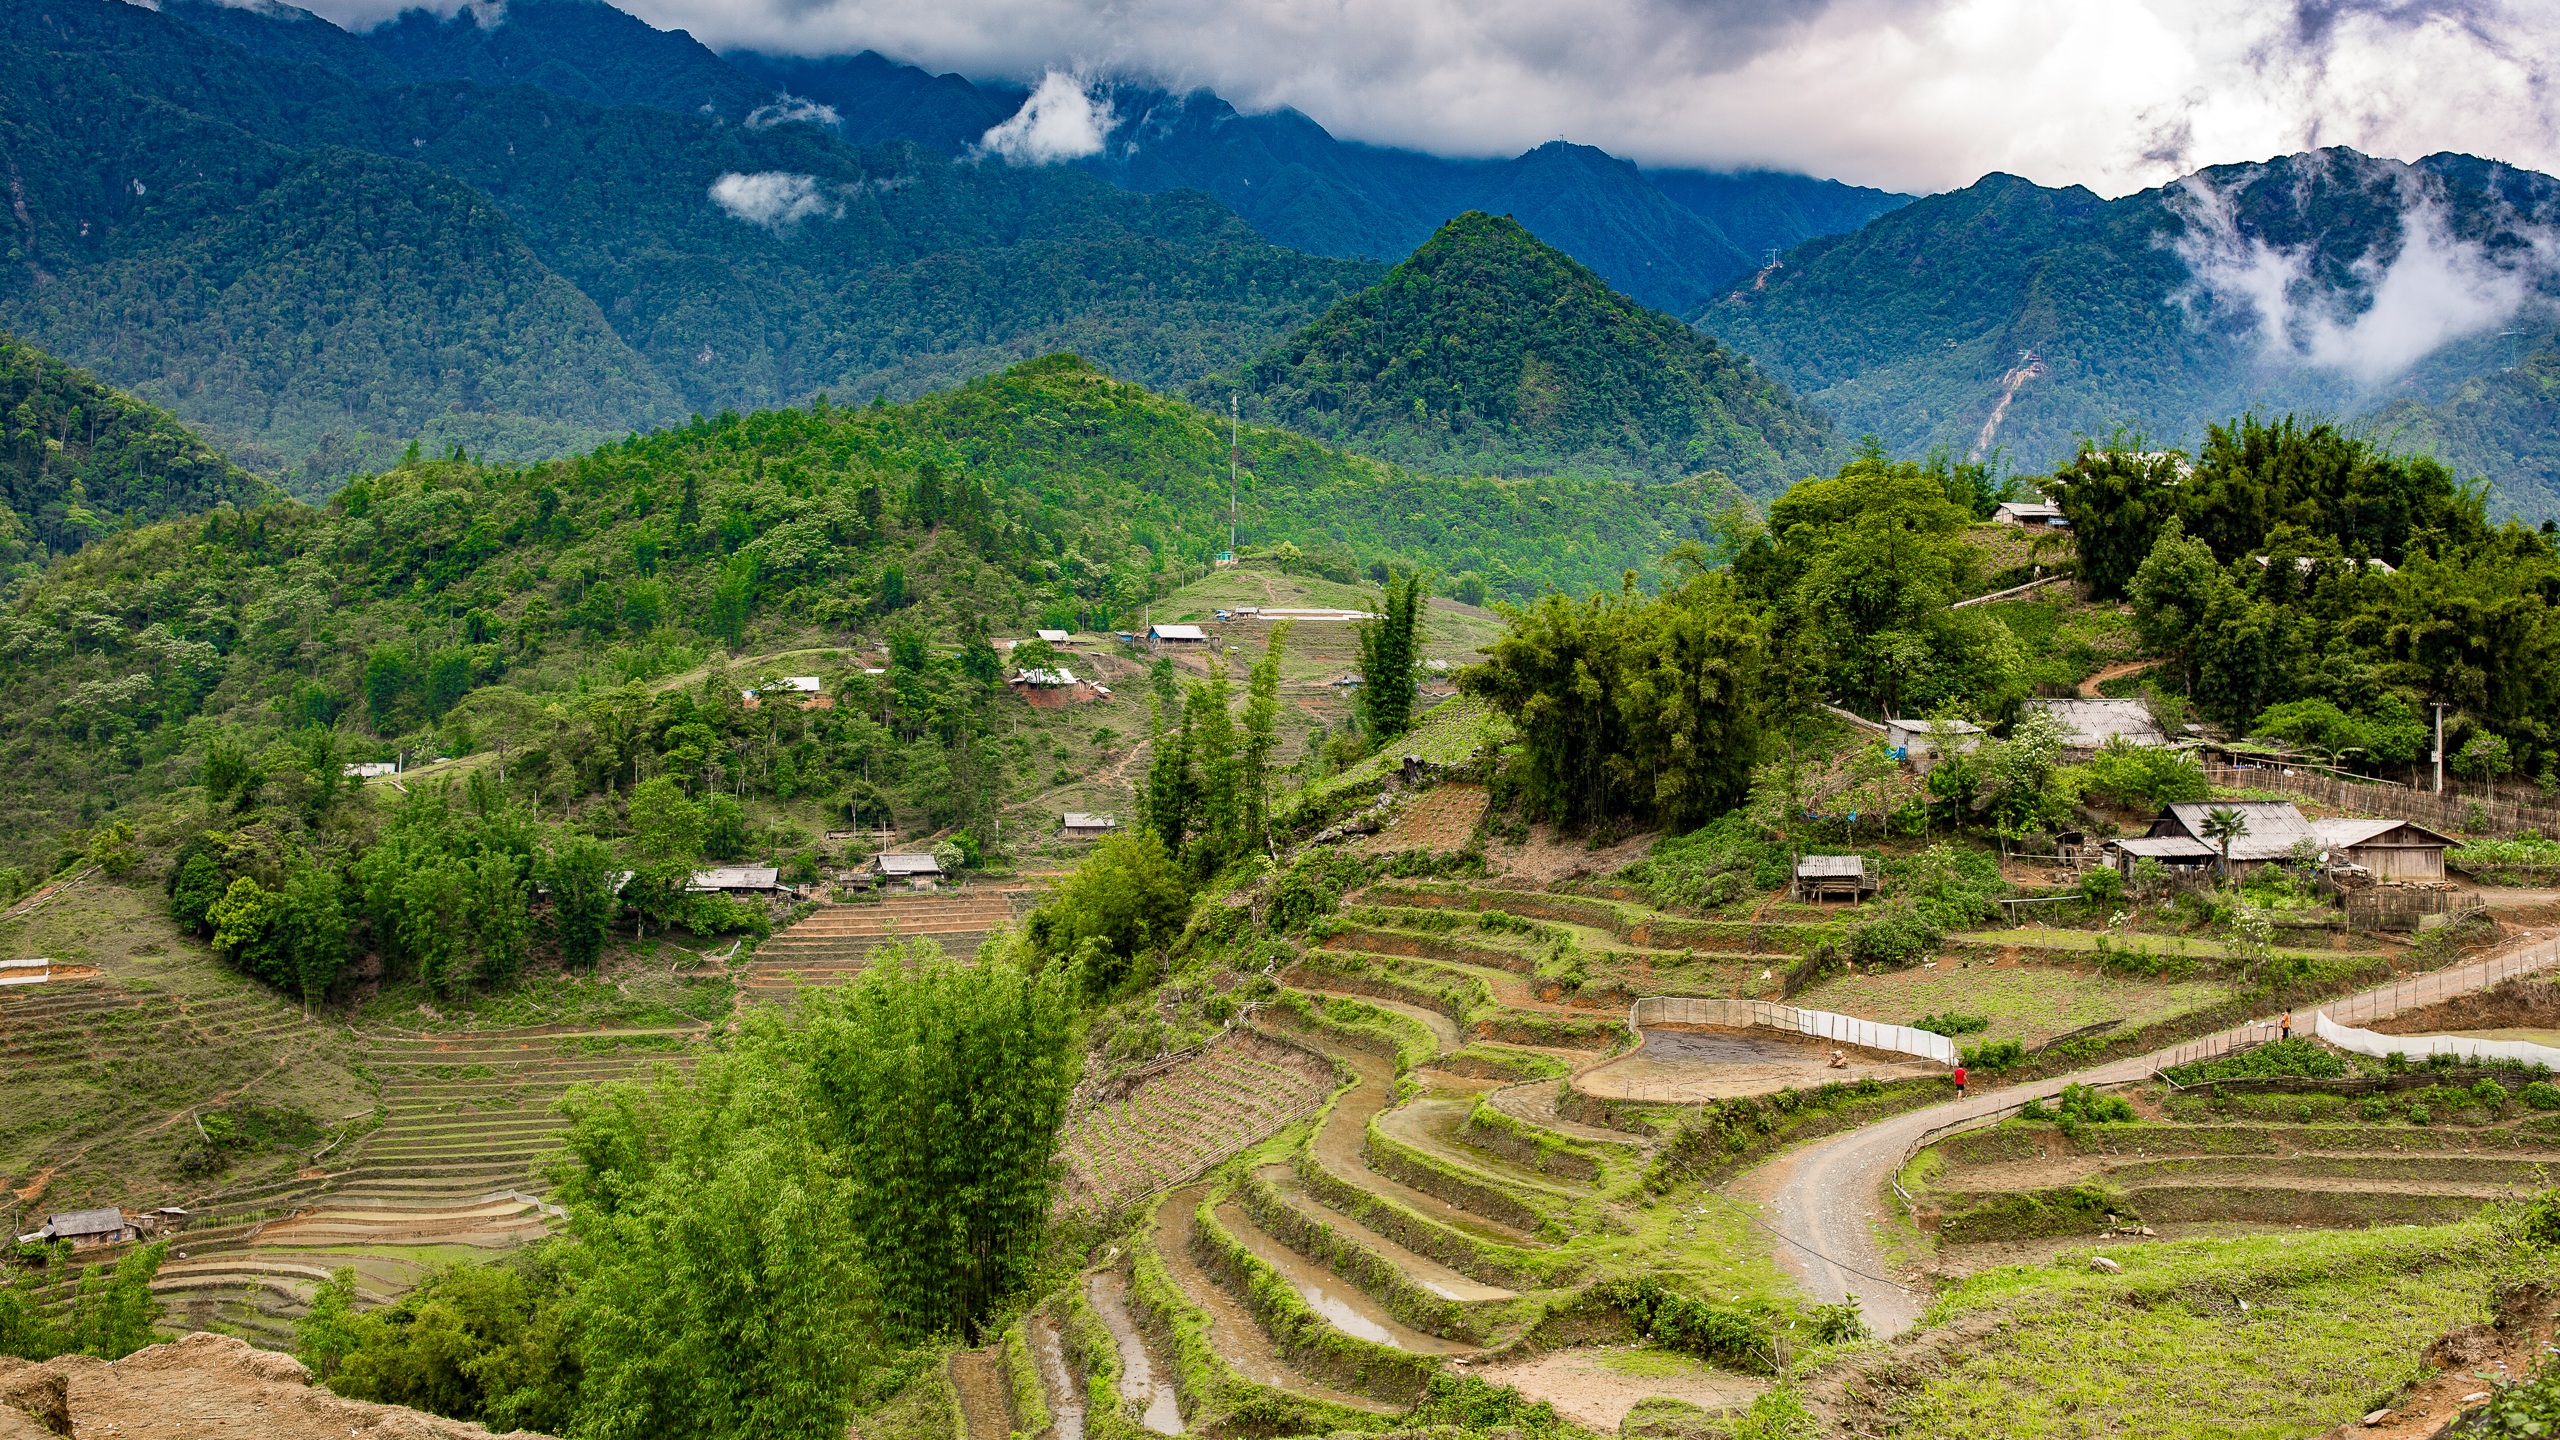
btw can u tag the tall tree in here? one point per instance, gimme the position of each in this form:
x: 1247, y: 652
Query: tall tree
x: 1390, y: 655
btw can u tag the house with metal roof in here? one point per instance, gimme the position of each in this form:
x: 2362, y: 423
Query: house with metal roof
x: 2034, y: 514
x: 2385, y: 849
x: 737, y: 880
x: 1178, y: 634
x: 106, y: 1225
x: 2272, y: 829
x: 1080, y: 826
x: 917, y: 868
x: 2092, y: 723
x: 1834, y: 877
x: 1055, y: 637
x: 1920, y: 743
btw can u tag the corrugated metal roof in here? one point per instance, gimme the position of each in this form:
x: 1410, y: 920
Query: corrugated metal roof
x: 2342, y: 834
x: 736, y: 877
x: 909, y: 864
x: 2093, y: 722
x: 2274, y: 826
x: 1178, y: 632
x: 2166, y: 847
x: 1831, y: 867
x: 1054, y: 637
x: 1078, y: 820
x: 105, y: 1221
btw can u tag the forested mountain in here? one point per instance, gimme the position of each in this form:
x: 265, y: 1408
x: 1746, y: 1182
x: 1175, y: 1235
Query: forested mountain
x: 2011, y: 315
x: 1048, y: 488
x: 1671, y: 239
x: 1489, y: 352
x: 78, y: 460
x: 317, y: 271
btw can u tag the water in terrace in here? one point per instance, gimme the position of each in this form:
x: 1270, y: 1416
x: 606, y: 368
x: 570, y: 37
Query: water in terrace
x: 1065, y: 1410
x: 1163, y: 1415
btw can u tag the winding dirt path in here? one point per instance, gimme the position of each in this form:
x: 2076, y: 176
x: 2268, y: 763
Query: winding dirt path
x: 2117, y: 671
x: 1823, y: 1201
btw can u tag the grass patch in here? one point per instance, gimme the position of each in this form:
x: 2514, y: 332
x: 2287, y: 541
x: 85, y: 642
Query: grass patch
x: 2269, y: 1335
x: 2029, y: 1003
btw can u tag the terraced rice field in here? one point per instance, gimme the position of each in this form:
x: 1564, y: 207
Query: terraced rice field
x: 1172, y: 1125
x: 834, y: 944
x: 257, y: 1283
x: 2025, y: 1002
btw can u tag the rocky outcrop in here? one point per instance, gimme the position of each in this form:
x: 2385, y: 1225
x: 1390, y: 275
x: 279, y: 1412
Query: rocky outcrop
x: 201, y: 1387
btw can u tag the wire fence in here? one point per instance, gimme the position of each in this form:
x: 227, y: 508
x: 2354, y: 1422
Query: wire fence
x: 1821, y: 1024
x: 2459, y: 809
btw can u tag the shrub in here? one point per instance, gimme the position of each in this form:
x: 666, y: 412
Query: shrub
x: 1835, y: 1324
x: 2299, y: 1057
x: 1718, y: 1334
x: 2490, y: 1093
x: 1952, y: 1024
x: 1896, y: 935
x: 2421, y: 1115
x: 1712, y: 866
x: 2541, y: 1095
x: 2376, y: 1108
x: 1994, y: 1055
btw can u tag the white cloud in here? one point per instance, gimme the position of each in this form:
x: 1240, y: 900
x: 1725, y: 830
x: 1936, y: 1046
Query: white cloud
x: 774, y: 199
x: 788, y: 109
x: 1063, y: 120
x: 1912, y: 94
x: 2433, y: 289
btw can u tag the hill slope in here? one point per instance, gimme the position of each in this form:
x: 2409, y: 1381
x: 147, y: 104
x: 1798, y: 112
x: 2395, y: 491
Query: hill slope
x: 1490, y: 352
x: 2011, y: 315
x: 78, y: 460
x: 1049, y: 488
x: 317, y: 271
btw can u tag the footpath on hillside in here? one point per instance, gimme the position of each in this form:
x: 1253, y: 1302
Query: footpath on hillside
x: 1823, y: 1200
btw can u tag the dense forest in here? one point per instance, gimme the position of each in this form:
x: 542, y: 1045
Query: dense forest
x: 1050, y: 494
x: 78, y: 460
x: 1490, y: 352
x: 315, y: 270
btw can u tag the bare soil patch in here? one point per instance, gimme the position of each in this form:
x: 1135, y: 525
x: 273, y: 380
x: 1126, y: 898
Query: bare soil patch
x: 204, y: 1387
x: 1687, y: 1064
x: 1547, y: 857
x: 1589, y: 1390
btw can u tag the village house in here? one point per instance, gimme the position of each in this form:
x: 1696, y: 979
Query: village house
x: 2273, y: 830
x: 1177, y: 635
x: 812, y: 695
x: 2092, y: 723
x: 2033, y: 514
x: 1080, y: 826
x: 736, y: 880
x: 917, y: 869
x: 2385, y: 849
x: 1921, y: 742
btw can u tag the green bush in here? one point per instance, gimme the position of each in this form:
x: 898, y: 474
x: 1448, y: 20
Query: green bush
x: 1709, y: 867
x: 2377, y: 1108
x: 2079, y: 1104
x: 2541, y: 1095
x: 2421, y: 1115
x: 1994, y: 1055
x: 1952, y: 1024
x: 2490, y: 1093
x: 2298, y: 1057
x: 1895, y: 935
x: 1724, y: 1335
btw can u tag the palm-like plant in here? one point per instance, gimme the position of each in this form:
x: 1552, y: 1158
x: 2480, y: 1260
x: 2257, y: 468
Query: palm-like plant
x: 2222, y: 826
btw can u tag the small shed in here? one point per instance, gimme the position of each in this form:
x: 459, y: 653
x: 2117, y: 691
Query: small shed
x: 106, y: 1225
x: 1178, y: 634
x: 2033, y: 514
x: 1920, y: 742
x: 1833, y: 877
x: 370, y: 769
x: 2177, y: 852
x: 810, y: 693
x: 916, y: 868
x: 1055, y: 637
x: 1043, y: 679
x: 2387, y: 849
x: 1080, y: 826
x: 737, y: 880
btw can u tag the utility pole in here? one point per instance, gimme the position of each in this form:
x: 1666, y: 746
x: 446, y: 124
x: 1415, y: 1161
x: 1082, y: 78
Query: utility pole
x: 2440, y: 746
x: 1235, y: 431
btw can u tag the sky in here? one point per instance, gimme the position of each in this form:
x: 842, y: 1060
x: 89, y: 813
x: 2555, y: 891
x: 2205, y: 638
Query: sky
x: 1912, y: 95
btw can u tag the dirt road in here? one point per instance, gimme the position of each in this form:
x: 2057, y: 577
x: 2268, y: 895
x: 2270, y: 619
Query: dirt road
x: 1824, y: 1200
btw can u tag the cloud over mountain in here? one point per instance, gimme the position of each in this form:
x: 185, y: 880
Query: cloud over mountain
x: 2117, y: 95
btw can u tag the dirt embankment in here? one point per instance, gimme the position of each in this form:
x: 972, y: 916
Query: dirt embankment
x: 201, y: 1387
x: 2514, y: 1004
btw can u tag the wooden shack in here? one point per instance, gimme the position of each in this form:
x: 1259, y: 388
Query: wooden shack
x: 2385, y: 849
x: 1834, y: 877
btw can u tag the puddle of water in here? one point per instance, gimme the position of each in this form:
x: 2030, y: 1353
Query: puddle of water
x: 1138, y: 1382
x: 1338, y: 1310
x: 1066, y: 1410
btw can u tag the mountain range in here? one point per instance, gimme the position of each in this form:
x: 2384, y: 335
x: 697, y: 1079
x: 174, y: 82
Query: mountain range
x: 2415, y: 299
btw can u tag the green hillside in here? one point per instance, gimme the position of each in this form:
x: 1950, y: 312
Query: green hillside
x: 1488, y: 352
x: 78, y: 460
x: 1049, y: 490
x: 317, y: 272
x: 2505, y: 425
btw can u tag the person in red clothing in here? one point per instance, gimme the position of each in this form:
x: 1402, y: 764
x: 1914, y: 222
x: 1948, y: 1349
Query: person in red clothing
x: 1959, y: 1082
